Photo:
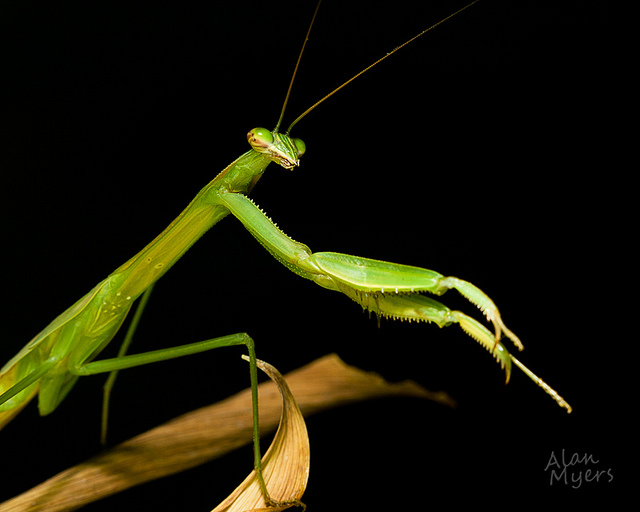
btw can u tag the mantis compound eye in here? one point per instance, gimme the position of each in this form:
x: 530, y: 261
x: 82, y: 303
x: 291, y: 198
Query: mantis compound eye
x: 260, y: 138
x: 300, y: 146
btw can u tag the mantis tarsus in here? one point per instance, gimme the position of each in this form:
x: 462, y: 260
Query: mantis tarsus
x: 373, y: 298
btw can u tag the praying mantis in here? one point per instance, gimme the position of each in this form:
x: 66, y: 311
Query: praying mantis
x: 338, y: 268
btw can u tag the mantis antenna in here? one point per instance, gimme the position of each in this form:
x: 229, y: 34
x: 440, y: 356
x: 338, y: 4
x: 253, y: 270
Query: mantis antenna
x: 365, y: 69
x: 295, y: 70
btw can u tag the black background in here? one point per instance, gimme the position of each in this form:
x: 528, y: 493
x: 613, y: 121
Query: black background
x: 481, y: 151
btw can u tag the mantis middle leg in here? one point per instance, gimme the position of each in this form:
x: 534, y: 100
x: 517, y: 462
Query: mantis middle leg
x: 126, y: 343
x: 123, y: 361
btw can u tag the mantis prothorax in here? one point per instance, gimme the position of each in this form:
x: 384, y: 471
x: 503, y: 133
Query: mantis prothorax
x: 51, y: 363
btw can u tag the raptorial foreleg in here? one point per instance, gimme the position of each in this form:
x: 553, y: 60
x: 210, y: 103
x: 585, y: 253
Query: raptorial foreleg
x: 366, y: 275
x: 388, y: 289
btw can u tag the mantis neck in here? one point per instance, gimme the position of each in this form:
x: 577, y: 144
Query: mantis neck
x: 204, y: 211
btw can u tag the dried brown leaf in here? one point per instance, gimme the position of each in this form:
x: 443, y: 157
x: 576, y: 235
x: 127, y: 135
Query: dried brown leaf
x: 207, y: 433
x: 285, y: 466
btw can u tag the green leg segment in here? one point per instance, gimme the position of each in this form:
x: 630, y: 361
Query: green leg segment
x: 388, y: 289
x: 111, y: 380
x: 131, y: 361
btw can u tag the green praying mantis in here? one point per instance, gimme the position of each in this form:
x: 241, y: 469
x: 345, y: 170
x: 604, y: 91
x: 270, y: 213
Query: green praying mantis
x: 49, y: 366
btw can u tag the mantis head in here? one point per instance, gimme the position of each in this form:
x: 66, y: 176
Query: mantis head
x: 278, y: 147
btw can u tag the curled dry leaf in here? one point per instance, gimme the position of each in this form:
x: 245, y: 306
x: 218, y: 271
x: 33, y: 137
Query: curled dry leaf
x: 208, y: 433
x: 285, y: 466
